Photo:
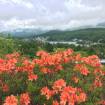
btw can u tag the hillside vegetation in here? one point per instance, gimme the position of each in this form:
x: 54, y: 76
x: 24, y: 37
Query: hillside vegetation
x: 90, y: 34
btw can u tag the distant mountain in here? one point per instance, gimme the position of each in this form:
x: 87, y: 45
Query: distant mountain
x: 90, y: 34
x: 102, y: 24
x: 67, y: 34
x: 25, y: 32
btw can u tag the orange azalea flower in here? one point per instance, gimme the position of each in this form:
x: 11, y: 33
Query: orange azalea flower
x: 70, y: 89
x: 11, y: 100
x: 97, y: 83
x: 32, y: 77
x: 24, y: 99
x: 48, y: 93
x: 82, y: 68
x: 2, y: 61
x: 82, y: 97
x: 44, y: 70
x: 84, y: 71
x: 59, y: 84
x: 64, y: 98
x: 78, y: 57
x: 99, y: 72
x: 42, y: 53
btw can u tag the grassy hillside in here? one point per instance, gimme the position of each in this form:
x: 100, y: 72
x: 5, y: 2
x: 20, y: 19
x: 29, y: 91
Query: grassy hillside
x: 91, y: 34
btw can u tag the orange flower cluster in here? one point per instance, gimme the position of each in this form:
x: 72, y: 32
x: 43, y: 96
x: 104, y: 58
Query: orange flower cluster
x: 58, y: 88
x: 50, y: 63
x: 8, y: 65
x: 68, y: 94
x: 12, y: 100
x: 82, y: 68
x: 24, y: 99
x: 92, y: 60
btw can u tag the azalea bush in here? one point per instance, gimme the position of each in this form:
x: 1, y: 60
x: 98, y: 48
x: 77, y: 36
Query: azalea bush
x: 58, y: 78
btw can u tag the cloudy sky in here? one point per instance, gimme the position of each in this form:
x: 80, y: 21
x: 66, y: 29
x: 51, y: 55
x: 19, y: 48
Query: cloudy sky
x: 50, y: 13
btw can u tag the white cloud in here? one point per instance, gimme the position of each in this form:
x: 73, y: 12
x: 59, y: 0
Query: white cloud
x: 16, y: 23
x: 50, y: 13
x: 76, y: 5
x: 25, y: 3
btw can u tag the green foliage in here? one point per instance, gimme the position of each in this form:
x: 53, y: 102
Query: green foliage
x: 7, y: 46
x: 90, y: 34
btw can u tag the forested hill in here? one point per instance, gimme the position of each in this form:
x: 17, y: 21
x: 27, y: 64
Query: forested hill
x: 91, y: 34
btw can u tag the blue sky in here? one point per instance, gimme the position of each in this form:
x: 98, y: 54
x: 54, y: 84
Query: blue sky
x: 50, y: 13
